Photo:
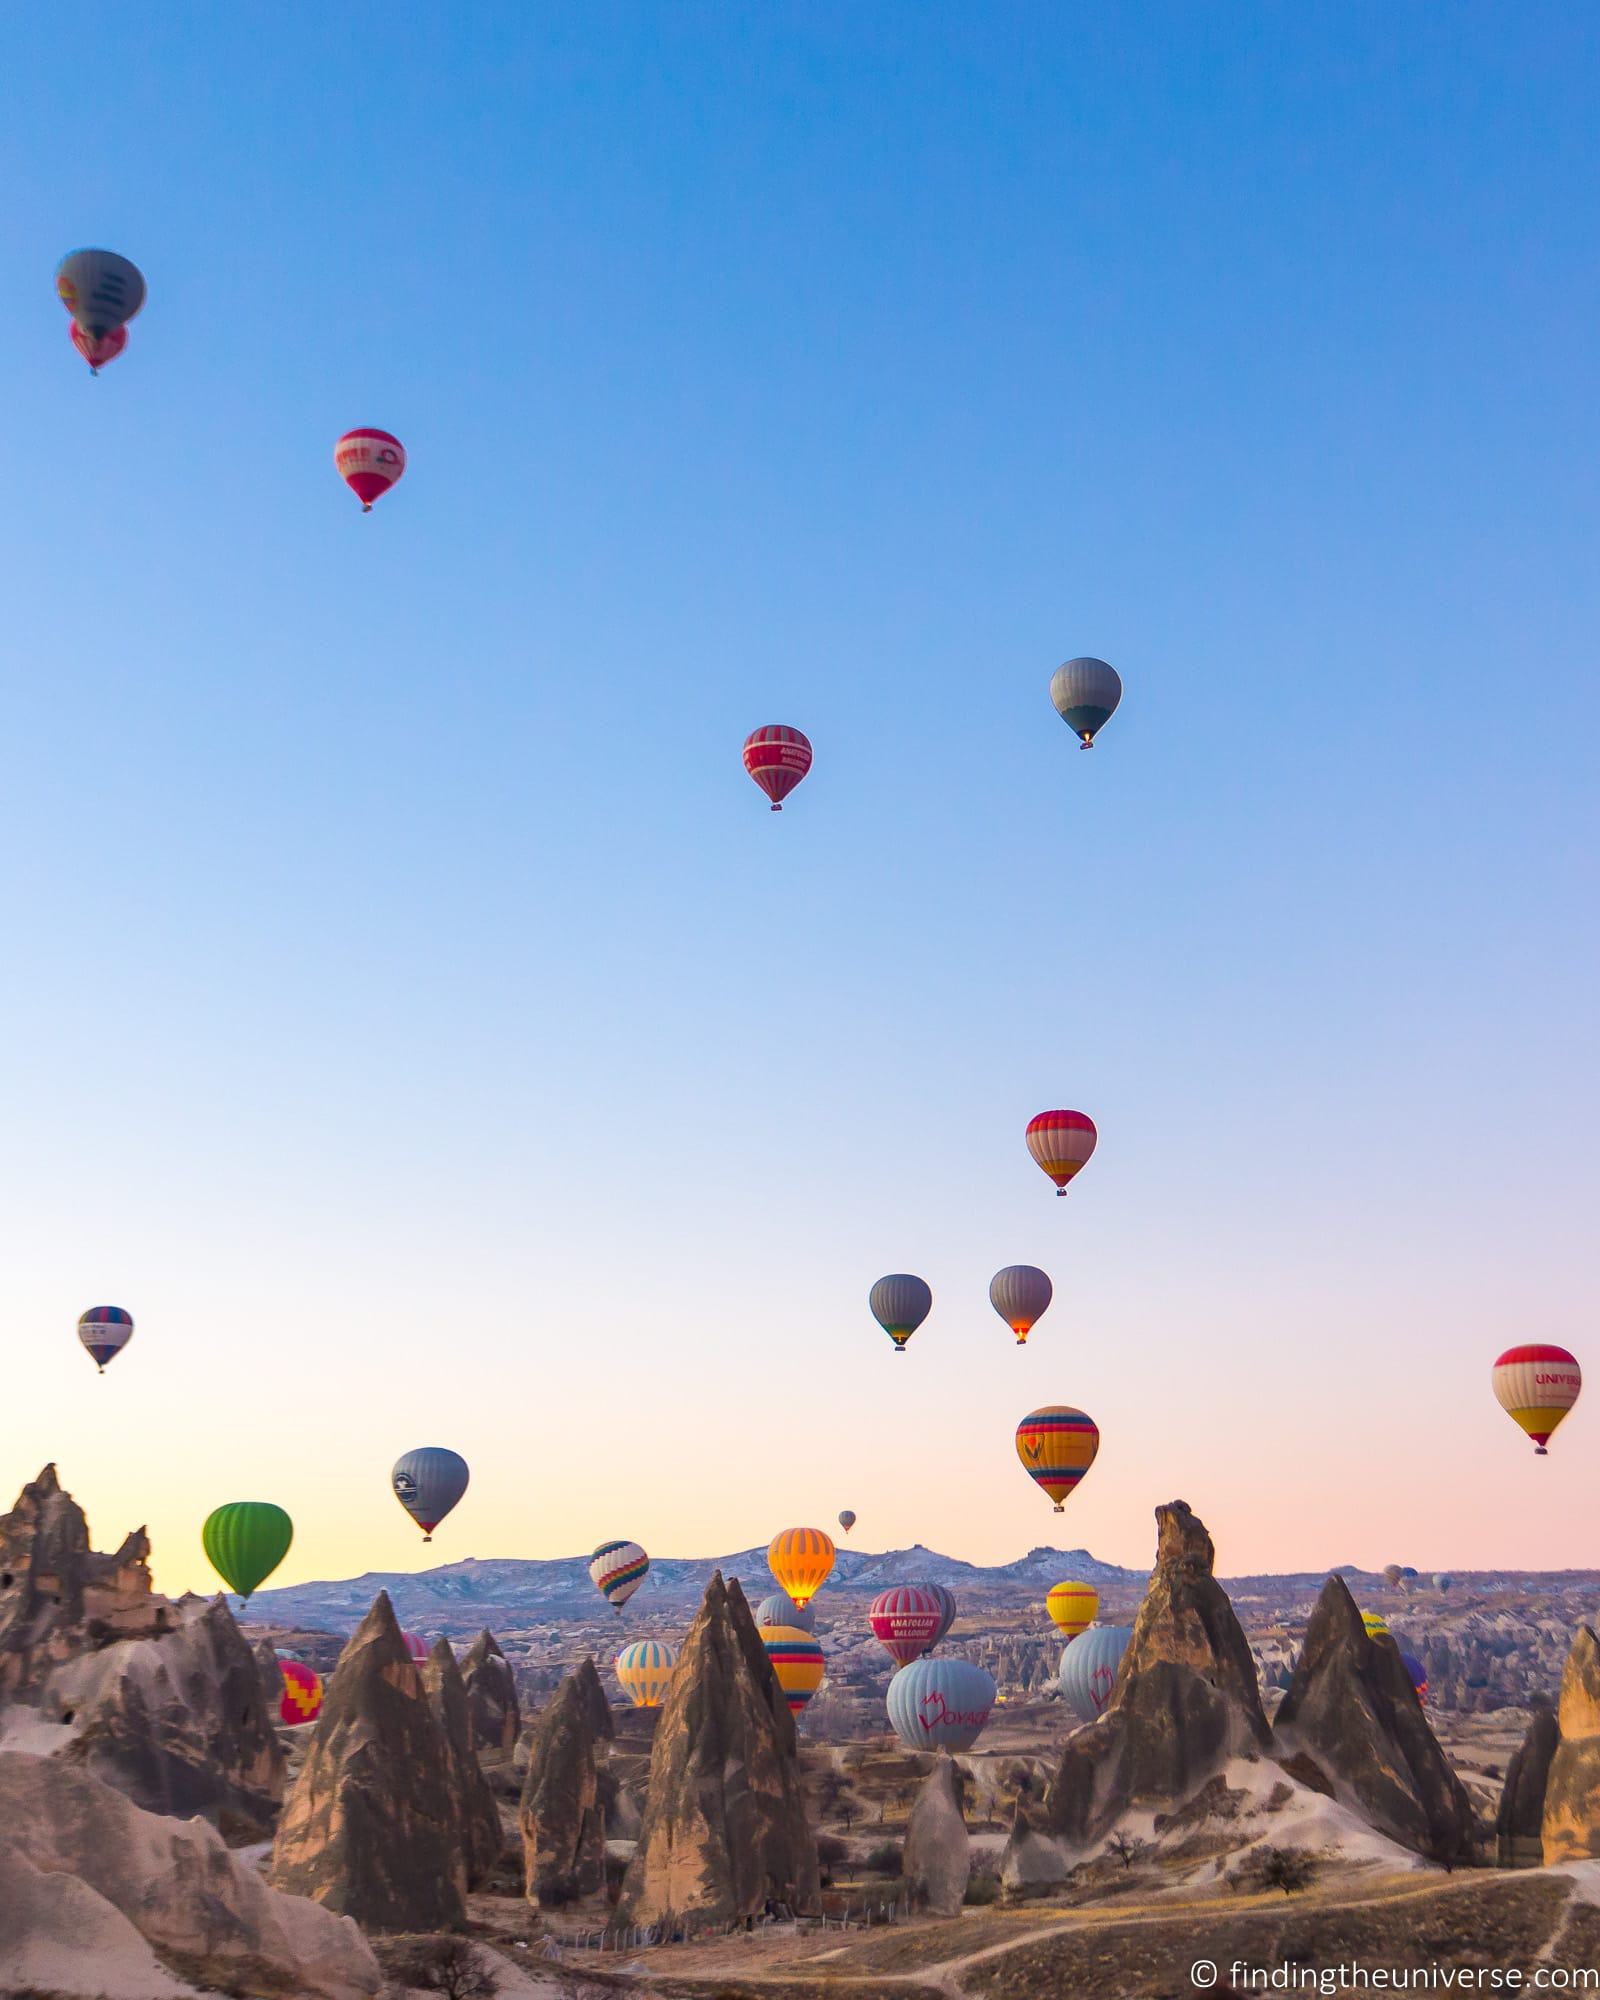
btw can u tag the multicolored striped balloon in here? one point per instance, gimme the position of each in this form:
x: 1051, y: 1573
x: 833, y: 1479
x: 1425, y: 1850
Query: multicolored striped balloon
x: 905, y: 1621
x: 801, y: 1561
x: 777, y: 757
x: 1057, y: 1445
x: 1061, y: 1143
x: 369, y: 462
x: 1021, y: 1294
x: 1072, y: 1607
x: 644, y: 1670
x: 796, y: 1660
x: 617, y: 1570
x: 1373, y: 1625
x: 1536, y: 1386
x: 302, y: 1693
x: 1085, y: 693
x: 105, y: 1331
x: 900, y: 1303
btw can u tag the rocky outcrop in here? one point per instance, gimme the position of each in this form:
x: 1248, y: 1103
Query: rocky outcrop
x: 560, y: 1815
x: 1031, y: 1859
x: 1519, y: 1824
x: 937, y: 1858
x: 492, y: 1705
x: 1186, y: 1697
x: 725, y: 1828
x: 271, y: 1675
x: 371, y: 1827
x: 58, y: 1598
x: 1352, y: 1711
x: 593, y: 1696
x: 92, y: 1889
x: 477, y: 1815
x: 178, y: 1723
x: 1571, y: 1828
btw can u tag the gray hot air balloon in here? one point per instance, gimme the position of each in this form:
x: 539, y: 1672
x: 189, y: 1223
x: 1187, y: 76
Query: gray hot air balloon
x: 781, y: 1609
x: 946, y: 1601
x: 1020, y: 1294
x: 900, y: 1303
x: 1086, y: 693
x: 847, y: 1518
x: 428, y: 1482
x: 101, y: 290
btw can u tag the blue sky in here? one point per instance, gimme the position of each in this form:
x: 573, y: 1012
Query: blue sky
x: 417, y: 1020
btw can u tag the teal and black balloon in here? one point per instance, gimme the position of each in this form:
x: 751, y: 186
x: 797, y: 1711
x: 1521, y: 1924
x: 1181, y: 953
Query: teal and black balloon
x: 1086, y: 693
x: 428, y: 1482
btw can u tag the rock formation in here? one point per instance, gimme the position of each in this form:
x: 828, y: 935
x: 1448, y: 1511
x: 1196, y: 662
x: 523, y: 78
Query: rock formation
x: 371, y: 1827
x: 560, y: 1815
x: 479, y: 1831
x: 937, y: 1858
x: 1519, y: 1824
x: 271, y: 1674
x: 593, y: 1695
x: 1572, y: 1797
x: 492, y: 1705
x: 1186, y: 1699
x: 91, y: 1887
x: 725, y: 1827
x: 1352, y: 1711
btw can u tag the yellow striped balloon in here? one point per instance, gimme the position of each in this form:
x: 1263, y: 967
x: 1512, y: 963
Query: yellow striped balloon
x: 644, y: 1670
x: 796, y: 1660
x: 1057, y: 1445
x: 1072, y: 1606
x: 802, y: 1561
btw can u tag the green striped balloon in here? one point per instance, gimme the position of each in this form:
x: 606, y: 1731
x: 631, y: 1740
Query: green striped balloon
x: 245, y: 1541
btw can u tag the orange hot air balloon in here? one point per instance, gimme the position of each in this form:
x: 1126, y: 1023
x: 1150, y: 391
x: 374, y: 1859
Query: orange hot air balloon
x: 302, y: 1692
x: 1061, y: 1142
x: 1072, y: 1607
x: 1536, y: 1385
x: 369, y: 462
x: 1057, y: 1445
x: 802, y: 1560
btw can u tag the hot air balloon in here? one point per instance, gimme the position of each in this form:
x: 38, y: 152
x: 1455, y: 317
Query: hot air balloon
x: 101, y: 290
x: 105, y: 1331
x: 1085, y: 693
x: 302, y: 1693
x: 369, y: 462
x: 428, y: 1482
x: 645, y: 1671
x: 777, y: 757
x: 1536, y: 1386
x: 416, y: 1646
x: 1089, y: 1669
x: 946, y: 1601
x: 1442, y: 1582
x: 1418, y: 1673
x: 1020, y: 1294
x: 801, y: 1561
x: 1061, y: 1142
x: 245, y: 1541
x: 1375, y: 1626
x: 905, y: 1622
x: 781, y: 1609
x: 97, y: 352
x: 617, y: 1570
x: 1057, y: 1445
x: 847, y: 1518
x: 940, y: 1703
x: 900, y: 1303
x: 1072, y: 1607
x: 1392, y: 1575
x: 797, y: 1661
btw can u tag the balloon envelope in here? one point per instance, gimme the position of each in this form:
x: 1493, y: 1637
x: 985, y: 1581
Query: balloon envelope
x: 796, y: 1660
x: 777, y: 757
x: 1536, y: 1385
x: 847, y: 1518
x: 1057, y: 1445
x: 780, y: 1609
x: 1442, y: 1582
x: 1374, y: 1624
x: 1089, y: 1669
x: 302, y: 1693
x: 1020, y: 1294
x: 644, y: 1670
x: 105, y: 1331
x: 428, y: 1482
x: 1061, y: 1142
x: 617, y: 1569
x: 97, y: 350
x: 940, y: 1703
x: 1085, y: 693
x: 101, y: 290
x: 1418, y: 1673
x: 801, y: 1561
x: 905, y: 1621
x: 416, y: 1646
x: 369, y: 462
x: 900, y: 1303
x: 245, y: 1541
x: 946, y: 1601
x: 1072, y: 1606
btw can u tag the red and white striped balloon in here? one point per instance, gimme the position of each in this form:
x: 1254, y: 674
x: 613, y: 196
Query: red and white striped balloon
x: 98, y: 350
x: 777, y: 757
x: 369, y: 462
x: 1061, y: 1142
x: 905, y: 1621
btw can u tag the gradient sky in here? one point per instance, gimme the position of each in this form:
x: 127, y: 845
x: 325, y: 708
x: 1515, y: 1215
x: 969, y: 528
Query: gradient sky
x: 412, y: 1013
